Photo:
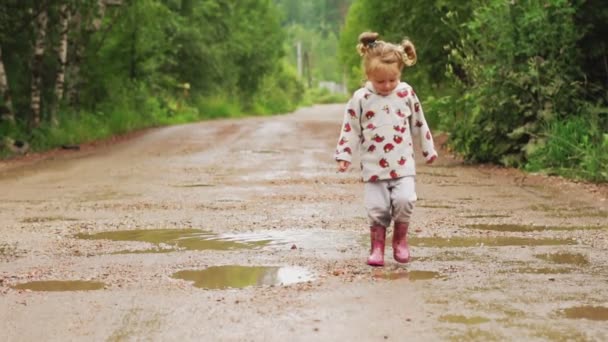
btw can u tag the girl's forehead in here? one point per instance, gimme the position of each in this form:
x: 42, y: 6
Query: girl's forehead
x: 385, y: 71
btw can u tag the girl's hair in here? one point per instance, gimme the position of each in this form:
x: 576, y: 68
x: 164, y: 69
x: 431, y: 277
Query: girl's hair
x: 377, y: 53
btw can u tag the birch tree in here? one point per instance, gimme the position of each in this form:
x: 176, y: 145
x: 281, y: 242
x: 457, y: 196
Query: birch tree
x: 36, y: 67
x: 6, y: 110
x: 62, y: 52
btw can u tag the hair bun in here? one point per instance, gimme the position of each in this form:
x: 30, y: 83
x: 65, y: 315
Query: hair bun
x: 367, y: 40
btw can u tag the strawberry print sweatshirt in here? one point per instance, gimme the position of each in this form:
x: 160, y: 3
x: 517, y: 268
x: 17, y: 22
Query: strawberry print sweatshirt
x: 381, y: 129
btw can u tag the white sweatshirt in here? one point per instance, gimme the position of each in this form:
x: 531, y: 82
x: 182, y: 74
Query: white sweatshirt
x: 381, y: 128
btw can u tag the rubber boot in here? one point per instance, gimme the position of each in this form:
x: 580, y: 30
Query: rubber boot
x: 378, y: 238
x: 401, y: 250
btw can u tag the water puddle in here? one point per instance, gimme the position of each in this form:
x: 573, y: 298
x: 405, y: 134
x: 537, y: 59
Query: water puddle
x: 198, y: 185
x: 565, y: 258
x: 237, y: 277
x: 436, y: 206
x: 41, y: 219
x: 487, y: 216
x: 437, y: 174
x: 178, y: 239
x: 460, y: 319
x: 523, y: 228
x: 594, y: 313
x: 60, y: 285
x: 541, y: 270
x: 571, y: 211
x: 403, y: 274
x: 497, y: 241
x: 170, y: 240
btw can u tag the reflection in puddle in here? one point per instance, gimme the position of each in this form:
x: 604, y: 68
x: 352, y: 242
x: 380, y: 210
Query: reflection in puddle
x: 403, y: 274
x: 594, y: 313
x: 60, y: 285
x: 523, y: 228
x: 224, y: 277
x: 189, y: 239
x: 565, y: 258
x: 486, y: 241
x: 463, y: 319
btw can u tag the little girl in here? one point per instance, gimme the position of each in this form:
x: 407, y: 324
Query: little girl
x: 380, y: 120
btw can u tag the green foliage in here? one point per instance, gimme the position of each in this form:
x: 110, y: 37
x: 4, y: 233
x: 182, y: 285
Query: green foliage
x: 419, y: 20
x: 356, y: 22
x: 217, y: 107
x: 323, y: 16
x: 324, y: 96
x: 573, y: 148
x: 517, y: 73
x: 280, y: 91
x: 147, y: 63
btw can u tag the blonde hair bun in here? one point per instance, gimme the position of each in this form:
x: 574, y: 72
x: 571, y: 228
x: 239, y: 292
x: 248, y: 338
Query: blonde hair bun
x: 366, y: 42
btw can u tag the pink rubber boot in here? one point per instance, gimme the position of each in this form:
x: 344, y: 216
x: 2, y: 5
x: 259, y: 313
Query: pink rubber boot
x: 401, y: 251
x: 378, y: 237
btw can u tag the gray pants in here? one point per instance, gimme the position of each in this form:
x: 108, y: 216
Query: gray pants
x: 390, y: 199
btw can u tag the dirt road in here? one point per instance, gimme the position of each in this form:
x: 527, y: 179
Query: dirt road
x: 241, y: 230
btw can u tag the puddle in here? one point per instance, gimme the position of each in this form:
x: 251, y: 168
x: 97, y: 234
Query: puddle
x: 200, y: 185
x: 42, y: 219
x: 594, y: 313
x: 523, y: 228
x: 571, y: 211
x: 436, y: 174
x: 60, y: 285
x: 463, y: 319
x: 188, y: 239
x: 542, y: 270
x: 170, y: 240
x: 486, y: 241
x: 565, y: 258
x: 402, y: 274
x: 487, y: 216
x: 226, y: 277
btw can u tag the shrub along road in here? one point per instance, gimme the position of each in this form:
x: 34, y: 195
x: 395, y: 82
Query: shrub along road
x: 241, y: 230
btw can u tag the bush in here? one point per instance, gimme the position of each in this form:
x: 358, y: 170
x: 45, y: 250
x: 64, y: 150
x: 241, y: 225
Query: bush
x: 574, y: 148
x: 517, y: 70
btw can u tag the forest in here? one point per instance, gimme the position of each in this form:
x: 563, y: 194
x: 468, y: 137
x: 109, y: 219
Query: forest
x: 511, y: 82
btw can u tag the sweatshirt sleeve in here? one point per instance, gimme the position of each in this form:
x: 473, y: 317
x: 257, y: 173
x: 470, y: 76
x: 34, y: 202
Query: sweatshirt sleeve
x: 420, y: 128
x: 350, y: 133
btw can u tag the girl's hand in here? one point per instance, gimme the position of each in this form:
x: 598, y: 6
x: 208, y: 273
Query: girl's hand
x: 343, y: 165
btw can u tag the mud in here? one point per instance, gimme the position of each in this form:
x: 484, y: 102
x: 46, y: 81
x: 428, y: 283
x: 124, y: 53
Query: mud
x: 191, y: 230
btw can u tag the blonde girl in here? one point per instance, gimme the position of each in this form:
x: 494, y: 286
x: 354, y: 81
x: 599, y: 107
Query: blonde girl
x: 380, y: 122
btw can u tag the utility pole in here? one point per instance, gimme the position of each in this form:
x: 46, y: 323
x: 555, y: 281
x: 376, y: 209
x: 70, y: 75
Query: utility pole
x: 299, y: 57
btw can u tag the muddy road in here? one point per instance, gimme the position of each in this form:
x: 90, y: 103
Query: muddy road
x: 241, y: 230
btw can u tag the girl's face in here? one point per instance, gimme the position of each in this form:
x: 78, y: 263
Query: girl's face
x: 385, y: 79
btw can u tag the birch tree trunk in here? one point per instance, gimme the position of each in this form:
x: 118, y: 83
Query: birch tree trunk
x: 73, y: 68
x: 41, y: 26
x: 6, y: 110
x: 62, y: 53
x: 84, y: 26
